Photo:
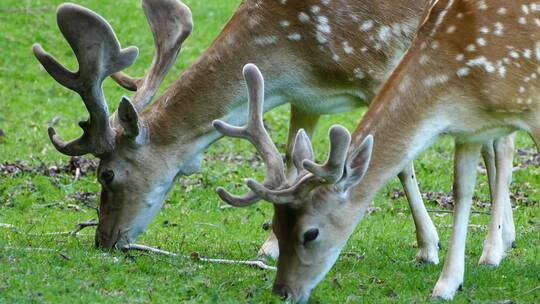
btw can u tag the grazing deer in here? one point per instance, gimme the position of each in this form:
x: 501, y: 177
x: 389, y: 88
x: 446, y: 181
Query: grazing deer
x: 340, y: 52
x: 467, y: 74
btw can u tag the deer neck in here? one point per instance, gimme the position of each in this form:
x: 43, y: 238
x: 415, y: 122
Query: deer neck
x: 405, y: 118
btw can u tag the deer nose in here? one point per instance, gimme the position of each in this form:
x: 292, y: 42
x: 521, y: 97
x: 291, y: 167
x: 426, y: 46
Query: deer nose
x: 105, y: 239
x: 282, y: 290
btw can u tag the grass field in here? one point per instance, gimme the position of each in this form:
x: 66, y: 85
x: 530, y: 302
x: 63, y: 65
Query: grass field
x: 42, y: 268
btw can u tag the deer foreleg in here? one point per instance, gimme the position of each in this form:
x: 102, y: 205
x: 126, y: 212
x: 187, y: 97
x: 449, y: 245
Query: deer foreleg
x: 426, y: 233
x: 466, y: 162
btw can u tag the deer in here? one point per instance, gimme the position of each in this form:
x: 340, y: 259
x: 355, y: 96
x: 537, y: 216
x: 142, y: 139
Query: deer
x: 465, y: 75
x: 147, y: 145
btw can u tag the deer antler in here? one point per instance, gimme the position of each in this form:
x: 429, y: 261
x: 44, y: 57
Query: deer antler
x: 99, y: 55
x: 275, y: 188
x: 255, y: 132
x: 314, y: 175
x: 171, y: 23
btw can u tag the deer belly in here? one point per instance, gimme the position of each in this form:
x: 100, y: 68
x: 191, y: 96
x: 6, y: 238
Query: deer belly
x: 321, y: 102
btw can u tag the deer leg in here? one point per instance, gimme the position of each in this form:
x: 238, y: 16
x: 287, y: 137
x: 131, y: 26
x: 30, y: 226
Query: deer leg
x: 509, y: 228
x: 426, y: 233
x: 466, y: 162
x: 299, y: 120
x: 494, y: 245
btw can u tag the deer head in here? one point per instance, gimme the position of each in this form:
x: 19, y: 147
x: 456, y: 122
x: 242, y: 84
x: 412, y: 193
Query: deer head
x: 134, y: 177
x: 312, y: 219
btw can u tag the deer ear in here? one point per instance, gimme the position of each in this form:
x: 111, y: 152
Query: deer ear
x: 129, y: 119
x: 302, y: 150
x: 357, y: 164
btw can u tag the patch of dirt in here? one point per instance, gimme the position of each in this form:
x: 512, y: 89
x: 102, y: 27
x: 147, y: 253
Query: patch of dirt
x: 76, y: 166
x: 527, y: 158
x: 442, y: 199
x: 87, y: 198
x: 254, y: 160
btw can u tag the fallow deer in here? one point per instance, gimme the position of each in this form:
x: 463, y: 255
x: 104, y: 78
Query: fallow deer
x: 468, y: 74
x: 340, y: 52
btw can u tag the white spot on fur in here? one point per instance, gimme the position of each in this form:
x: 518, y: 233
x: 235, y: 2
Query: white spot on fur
x: 499, y: 29
x: 358, y: 73
x: 435, y: 80
x: 294, y: 37
x: 482, y: 62
x: 266, y: 40
x: 321, y: 38
x: 323, y: 25
x: 367, y: 25
x: 424, y: 59
x: 303, y: 17
x: 347, y: 48
x: 481, y: 41
x: 471, y: 48
x: 462, y: 72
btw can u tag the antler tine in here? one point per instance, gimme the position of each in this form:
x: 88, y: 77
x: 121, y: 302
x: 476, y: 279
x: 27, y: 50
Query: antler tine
x: 171, y: 23
x: 99, y: 55
x: 256, y: 133
x: 332, y: 171
x: 303, y: 185
x: 247, y: 199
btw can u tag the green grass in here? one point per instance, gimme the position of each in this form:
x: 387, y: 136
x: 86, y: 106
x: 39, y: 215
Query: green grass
x: 196, y: 222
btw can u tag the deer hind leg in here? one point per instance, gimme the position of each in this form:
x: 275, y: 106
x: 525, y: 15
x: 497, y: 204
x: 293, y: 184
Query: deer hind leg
x: 426, y: 233
x: 465, y: 167
x: 299, y: 120
x: 505, y: 148
x: 501, y: 232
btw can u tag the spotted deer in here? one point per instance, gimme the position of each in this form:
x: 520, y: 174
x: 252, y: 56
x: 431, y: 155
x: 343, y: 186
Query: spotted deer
x: 467, y: 74
x: 340, y: 50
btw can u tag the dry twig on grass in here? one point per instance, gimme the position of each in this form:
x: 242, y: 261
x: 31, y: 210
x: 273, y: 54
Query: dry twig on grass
x: 80, y: 226
x: 195, y: 256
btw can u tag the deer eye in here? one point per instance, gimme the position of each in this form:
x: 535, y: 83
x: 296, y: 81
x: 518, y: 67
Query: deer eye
x: 311, y: 235
x: 107, y: 176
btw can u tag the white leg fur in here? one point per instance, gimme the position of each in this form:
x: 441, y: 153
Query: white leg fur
x: 270, y: 248
x: 426, y: 233
x: 501, y: 226
x: 509, y: 228
x: 498, y: 157
x: 466, y: 162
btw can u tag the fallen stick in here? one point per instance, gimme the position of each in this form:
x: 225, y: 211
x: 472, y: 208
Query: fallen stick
x: 7, y: 226
x: 80, y: 227
x: 195, y: 256
x: 532, y: 290
x: 29, y: 248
